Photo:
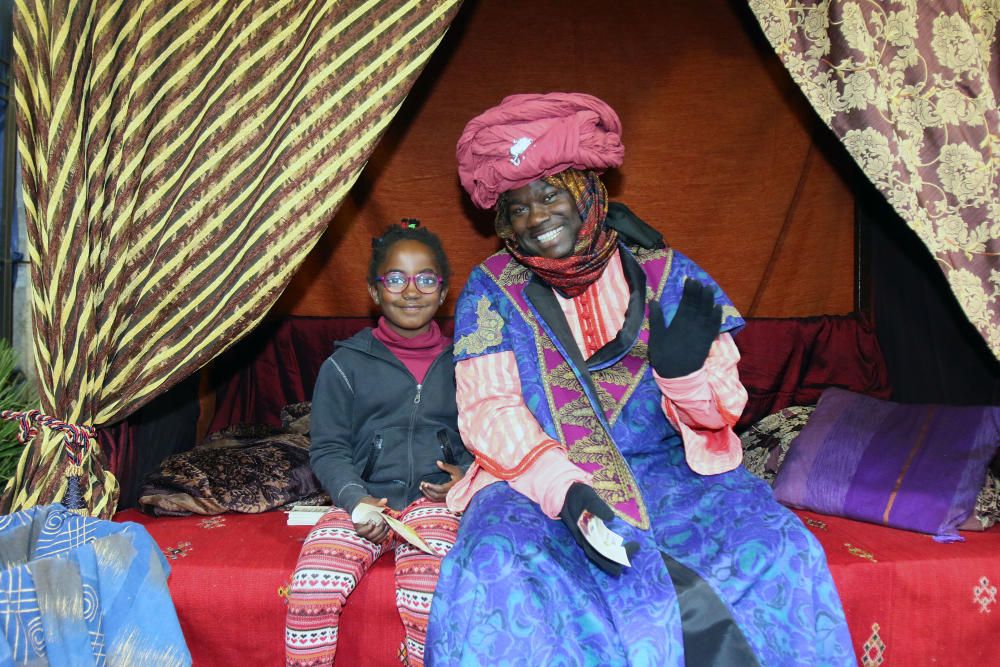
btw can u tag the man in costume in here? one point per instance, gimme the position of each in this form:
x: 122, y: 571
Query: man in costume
x: 596, y: 376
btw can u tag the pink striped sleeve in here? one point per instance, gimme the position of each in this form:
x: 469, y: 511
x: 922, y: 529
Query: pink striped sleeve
x: 492, y: 417
x: 705, y: 405
x: 505, y: 437
x: 548, y: 480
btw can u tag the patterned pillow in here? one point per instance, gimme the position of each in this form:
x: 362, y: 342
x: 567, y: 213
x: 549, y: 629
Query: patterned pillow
x: 916, y: 467
x: 244, y: 468
x: 987, y: 512
x: 295, y: 417
x: 238, y: 434
x: 766, y: 442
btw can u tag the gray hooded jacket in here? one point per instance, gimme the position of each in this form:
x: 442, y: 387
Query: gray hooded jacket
x: 375, y: 431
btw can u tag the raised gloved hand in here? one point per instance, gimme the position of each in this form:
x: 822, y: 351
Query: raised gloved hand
x: 682, y: 348
x: 582, y: 497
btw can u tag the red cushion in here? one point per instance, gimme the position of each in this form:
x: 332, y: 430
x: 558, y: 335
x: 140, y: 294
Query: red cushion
x: 932, y: 603
x: 229, y: 578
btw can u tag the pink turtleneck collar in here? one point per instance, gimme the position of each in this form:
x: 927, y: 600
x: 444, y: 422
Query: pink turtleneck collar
x: 416, y: 353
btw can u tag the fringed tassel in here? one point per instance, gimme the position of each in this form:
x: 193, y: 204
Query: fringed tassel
x: 73, y: 499
x: 77, y: 445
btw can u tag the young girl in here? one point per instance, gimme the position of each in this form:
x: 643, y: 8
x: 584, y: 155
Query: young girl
x: 384, y: 432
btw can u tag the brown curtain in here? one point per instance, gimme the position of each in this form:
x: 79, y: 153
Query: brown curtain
x: 911, y: 88
x: 180, y: 159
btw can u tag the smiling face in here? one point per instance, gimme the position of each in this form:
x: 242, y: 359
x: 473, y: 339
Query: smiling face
x: 544, y: 219
x: 409, y: 312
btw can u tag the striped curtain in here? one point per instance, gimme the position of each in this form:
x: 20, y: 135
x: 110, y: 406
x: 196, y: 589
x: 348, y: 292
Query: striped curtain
x: 911, y: 89
x: 179, y: 161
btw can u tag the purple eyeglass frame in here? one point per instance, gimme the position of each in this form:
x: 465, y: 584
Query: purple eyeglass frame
x: 411, y: 279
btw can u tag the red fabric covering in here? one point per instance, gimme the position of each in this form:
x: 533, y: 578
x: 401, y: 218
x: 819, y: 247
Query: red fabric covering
x: 276, y: 364
x: 932, y: 603
x: 228, y: 580
x: 118, y: 444
x: 790, y: 361
x: 786, y: 361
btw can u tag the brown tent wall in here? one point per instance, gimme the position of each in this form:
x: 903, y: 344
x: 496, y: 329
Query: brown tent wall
x: 723, y: 154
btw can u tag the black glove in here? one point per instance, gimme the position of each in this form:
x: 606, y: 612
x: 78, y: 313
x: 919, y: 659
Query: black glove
x: 682, y: 347
x: 582, y: 497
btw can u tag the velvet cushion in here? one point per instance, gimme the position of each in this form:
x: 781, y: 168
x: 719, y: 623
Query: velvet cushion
x: 916, y: 467
x: 790, y: 361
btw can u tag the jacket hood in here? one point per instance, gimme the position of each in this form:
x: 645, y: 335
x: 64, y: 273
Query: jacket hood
x: 363, y: 341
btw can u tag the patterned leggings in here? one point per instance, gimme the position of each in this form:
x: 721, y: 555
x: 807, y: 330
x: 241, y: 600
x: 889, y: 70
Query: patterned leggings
x: 333, y: 560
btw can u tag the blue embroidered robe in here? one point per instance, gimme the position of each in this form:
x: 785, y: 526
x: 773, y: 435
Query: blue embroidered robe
x: 517, y: 590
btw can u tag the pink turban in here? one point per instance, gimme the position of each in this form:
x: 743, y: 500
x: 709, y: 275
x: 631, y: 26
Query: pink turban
x: 527, y: 137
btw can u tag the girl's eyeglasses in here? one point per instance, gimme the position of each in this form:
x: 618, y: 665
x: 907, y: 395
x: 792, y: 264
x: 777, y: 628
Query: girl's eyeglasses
x: 426, y: 282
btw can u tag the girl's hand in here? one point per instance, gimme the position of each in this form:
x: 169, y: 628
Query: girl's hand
x: 373, y: 532
x: 437, y: 492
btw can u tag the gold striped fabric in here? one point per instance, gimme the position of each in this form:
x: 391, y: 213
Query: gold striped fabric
x: 179, y: 161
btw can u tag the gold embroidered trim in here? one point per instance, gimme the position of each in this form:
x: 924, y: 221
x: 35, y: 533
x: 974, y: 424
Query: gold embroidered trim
x: 514, y: 273
x: 613, y: 481
x: 859, y: 552
x: 815, y: 523
x: 641, y: 349
x: 488, y: 333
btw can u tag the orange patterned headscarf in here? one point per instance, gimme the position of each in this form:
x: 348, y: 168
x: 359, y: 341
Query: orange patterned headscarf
x: 595, y: 243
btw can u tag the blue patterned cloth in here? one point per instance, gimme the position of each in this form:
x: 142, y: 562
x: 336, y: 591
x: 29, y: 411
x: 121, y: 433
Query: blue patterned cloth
x: 517, y: 590
x: 77, y: 590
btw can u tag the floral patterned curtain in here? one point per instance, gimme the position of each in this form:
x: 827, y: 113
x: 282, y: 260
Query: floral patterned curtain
x: 911, y: 90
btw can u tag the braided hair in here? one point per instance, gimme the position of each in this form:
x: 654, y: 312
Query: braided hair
x: 408, y: 229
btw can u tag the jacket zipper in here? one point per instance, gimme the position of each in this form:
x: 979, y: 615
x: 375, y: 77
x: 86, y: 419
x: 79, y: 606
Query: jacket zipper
x: 413, y: 420
x: 409, y: 436
x: 416, y: 407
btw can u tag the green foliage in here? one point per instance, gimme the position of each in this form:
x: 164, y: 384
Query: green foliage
x: 15, y: 394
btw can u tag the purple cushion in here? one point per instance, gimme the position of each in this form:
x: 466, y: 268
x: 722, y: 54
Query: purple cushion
x: 917, y: 467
